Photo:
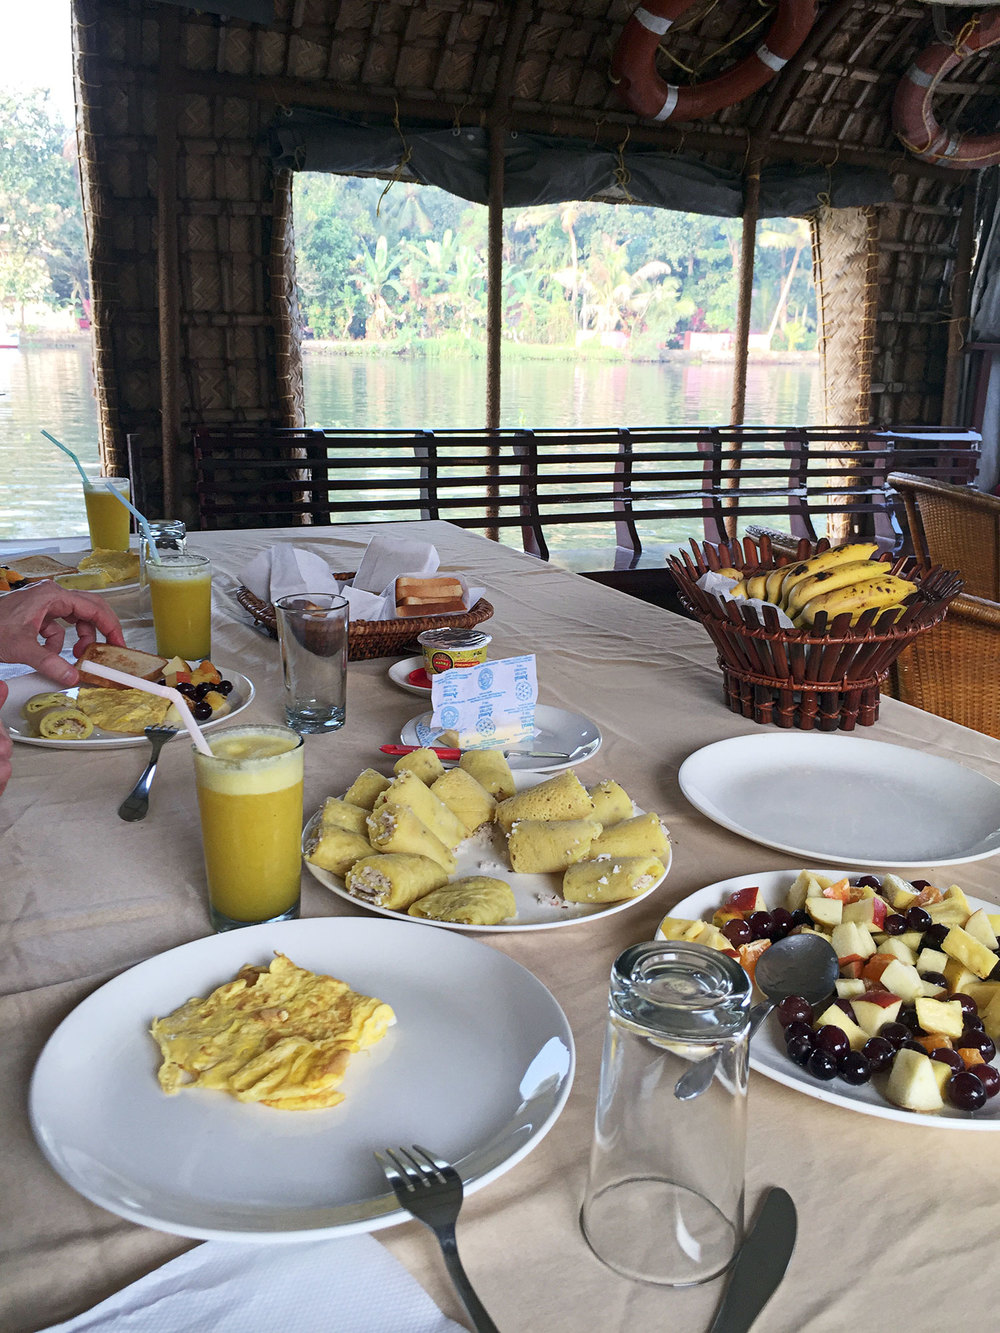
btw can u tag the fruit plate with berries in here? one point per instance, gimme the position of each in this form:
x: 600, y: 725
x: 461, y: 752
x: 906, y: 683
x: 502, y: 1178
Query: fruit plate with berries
x: 910, y: 1032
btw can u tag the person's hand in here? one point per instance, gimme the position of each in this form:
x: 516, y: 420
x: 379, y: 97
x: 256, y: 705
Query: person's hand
x: 6, y: 746
x: 30, y: 632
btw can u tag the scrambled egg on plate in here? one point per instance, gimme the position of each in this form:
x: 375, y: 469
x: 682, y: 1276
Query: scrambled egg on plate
x: 279, y: 1035
x: 129, y: 711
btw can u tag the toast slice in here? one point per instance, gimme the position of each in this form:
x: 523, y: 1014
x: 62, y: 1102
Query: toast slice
x: 147, y: 666
x: 34, y: 567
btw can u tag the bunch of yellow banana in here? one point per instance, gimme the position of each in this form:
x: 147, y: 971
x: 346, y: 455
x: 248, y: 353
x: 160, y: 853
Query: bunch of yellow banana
x: 844, y: 578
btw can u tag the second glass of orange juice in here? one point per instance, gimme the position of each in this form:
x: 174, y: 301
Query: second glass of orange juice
x: 180, y: 590
x: 250, y: 801
x: 107, y: 518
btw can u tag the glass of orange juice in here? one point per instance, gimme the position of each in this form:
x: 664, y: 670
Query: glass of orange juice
x: 107, y: 518
x: 180, y: 590
x: 250, y: 801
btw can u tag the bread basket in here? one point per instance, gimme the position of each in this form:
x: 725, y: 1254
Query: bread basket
x: 373, y: 638
x: 826, y: 677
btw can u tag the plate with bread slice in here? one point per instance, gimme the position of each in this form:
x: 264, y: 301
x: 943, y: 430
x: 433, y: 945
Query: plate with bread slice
x: 99, y: 714
x: 440, y: 596
x: 84, y: 570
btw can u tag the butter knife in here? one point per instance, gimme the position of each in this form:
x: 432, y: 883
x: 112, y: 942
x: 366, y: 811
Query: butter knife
x: 760, y: 1264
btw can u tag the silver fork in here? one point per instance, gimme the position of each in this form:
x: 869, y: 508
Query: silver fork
x: 136, y: 803
x: 431, y: 1190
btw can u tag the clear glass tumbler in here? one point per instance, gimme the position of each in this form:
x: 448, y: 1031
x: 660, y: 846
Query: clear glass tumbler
x: 313, y: 631
x: 168, y: 534
x: 664, y: 1196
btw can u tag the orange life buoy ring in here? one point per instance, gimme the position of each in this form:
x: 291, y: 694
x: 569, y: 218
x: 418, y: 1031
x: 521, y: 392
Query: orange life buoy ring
x: 633, y: 64
x: 912, y: 117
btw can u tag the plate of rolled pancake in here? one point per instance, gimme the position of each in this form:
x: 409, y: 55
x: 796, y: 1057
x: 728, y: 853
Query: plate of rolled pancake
x: 476, y: 847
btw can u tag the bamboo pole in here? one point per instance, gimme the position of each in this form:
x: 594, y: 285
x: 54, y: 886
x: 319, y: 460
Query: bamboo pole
x: 167, y: 265
x: 494, y: 280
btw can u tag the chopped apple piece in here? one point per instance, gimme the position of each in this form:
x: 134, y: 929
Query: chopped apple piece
x: 983, y: 992
x: 673, y: 927
x: 851, y: 941
x: 868, y: 912
x: 876, y: 965
x: 933, y: 989
x: 825, y: 911
x: 848, y: 988
x: 978, y: 926
x: 948, y: 912
x: 876, y: 1008
x: 943, y: 1016
x: 834, y: 1015
x: 913, y: 1083
x: 958, y: 977
x: 991, y: 1018
x: 902, y: 979
x: 746, y: 901
x: 894, y: 945
x: 931, y: 960
x: 900, y: 892
x: 966, y: 949
x: 710, y: 938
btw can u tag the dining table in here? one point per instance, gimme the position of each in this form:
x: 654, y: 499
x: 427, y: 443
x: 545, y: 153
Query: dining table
x: 895, y: 1219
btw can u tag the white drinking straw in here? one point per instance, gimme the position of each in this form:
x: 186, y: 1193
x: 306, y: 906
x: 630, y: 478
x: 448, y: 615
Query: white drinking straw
x: 143, y: 522
x: 166, y: 691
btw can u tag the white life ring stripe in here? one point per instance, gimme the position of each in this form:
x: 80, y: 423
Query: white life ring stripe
x: 669, y: 105
x: 919, y: 76
x: 767, y: 57
x: 652, y: 22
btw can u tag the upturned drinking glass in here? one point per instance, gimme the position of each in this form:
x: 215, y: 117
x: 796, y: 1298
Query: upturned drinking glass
x: 664, y: 1195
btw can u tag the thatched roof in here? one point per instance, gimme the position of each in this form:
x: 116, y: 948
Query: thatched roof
x: 177, y: 108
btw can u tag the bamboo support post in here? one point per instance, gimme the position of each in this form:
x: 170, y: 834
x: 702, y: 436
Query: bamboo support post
x: 166, y: 255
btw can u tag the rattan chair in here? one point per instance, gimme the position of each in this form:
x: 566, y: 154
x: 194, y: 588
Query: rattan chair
x: 952, y: 669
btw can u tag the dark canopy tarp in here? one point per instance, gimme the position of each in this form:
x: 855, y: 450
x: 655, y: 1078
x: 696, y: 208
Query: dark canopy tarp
x: 541, y: 169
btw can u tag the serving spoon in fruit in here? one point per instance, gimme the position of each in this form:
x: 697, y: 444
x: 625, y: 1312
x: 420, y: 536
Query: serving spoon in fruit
x: 803, y: 965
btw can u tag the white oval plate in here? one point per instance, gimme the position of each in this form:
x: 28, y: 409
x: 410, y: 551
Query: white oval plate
x: 478, y: 1067
x: 555, y: 729
x: 767, y: 1050
x: 845, y: 800
x: 23, y: 687
x: 540, y: 906
x: 399, y: 671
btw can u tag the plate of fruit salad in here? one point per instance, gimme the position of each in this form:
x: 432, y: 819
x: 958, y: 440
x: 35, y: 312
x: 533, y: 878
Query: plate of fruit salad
x: 910, y: 1032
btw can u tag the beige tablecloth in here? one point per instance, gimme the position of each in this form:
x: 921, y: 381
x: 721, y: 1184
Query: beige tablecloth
x: 896, y: 1221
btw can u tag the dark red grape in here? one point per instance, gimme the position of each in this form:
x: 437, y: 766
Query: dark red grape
x: 869, y: 882
x: 908, y: 1017
x: 201, y: 711
x: 969, y: 1007
x: 879, y: 1052
x: 966, y: 1091
x: 799, y: 1029
x: 760, y: 925
x: 920, y: 884
x: 946, y: 1056
x: 201, y: 689
x: 894, y: 924
x: 935, y: 978
x: 854, y: 1068
x: 800, y: 1050
x: 737, y: 932
x: 224, y: 687
x: 186, y: 688
x: 935, y: 935
x: 977, y: 1041
x: 794, y: 1009
x: 781, y: 923
x: 917, y: 918
x: 832, y: 1040
x: 824, y: 1065
x: 800, y: 917
x: 989, y: 1077
x: 911, y: 1044
x: 894, y: 1033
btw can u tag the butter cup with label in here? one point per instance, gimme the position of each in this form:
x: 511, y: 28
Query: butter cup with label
x: 446, y: 648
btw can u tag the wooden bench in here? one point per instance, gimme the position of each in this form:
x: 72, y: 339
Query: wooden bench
x: 606, y: 486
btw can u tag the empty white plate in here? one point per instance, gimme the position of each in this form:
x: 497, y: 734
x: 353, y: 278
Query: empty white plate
x: 845, y: 800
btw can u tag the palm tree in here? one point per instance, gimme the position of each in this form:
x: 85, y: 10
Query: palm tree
x: 377, y: 278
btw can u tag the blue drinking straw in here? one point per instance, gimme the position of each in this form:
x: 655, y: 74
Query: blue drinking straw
x: 86, y: 480
x: 144, y: 527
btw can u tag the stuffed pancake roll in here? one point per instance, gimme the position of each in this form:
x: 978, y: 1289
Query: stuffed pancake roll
x: 467, y: 799
x: 561, y: 797
x: 425, y: 763
x: 643, y: 835
x: 612, y: 803
x: 538, y: 846
x: 340, y: 814
x: 491, y: 770
x: 476, y: 900
x: 407, y: 789
x: 397, y: 828
x: 336, y: 849
x: 611, y: 879
x: 365, y: 788
x: 393, y: 880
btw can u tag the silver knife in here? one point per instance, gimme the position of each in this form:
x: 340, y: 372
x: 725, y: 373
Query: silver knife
x: 760, y: 1264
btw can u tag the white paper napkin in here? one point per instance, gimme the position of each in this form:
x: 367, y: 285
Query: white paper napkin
x: 387, y: 557
x: 347, y: 1285
x: 283, y: 570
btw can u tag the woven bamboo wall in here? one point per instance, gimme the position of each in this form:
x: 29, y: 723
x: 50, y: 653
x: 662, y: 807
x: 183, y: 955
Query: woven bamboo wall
x: 227, y: 317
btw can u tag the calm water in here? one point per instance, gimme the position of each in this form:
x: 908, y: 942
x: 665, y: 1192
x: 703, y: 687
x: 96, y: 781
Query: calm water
x: 53, y: 389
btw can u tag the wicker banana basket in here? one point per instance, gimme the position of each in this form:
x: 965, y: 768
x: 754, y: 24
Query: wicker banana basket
x: 373, y: 638
x: 826, y: 677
